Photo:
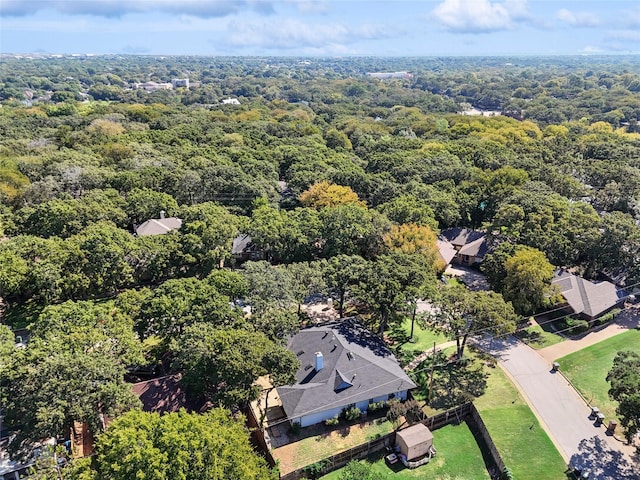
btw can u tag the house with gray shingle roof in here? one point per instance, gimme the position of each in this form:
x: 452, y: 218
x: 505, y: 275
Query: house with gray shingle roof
x: 471, y: 245
x: 342, y: 365
x: 587, y: 299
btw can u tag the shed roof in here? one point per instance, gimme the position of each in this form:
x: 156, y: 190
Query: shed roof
x: 159, y: 226
x: 415, y: 435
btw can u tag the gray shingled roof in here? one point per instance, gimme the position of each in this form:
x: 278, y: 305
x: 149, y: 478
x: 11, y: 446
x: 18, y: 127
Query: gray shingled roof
x: 585, y: 297
x: 357, y: 366
x: 462, y: 236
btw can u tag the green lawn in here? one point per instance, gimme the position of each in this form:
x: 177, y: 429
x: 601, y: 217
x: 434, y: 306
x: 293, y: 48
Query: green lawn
x: 537, y: 337
x: 524, y: 446
x: 407, y: 349
x: 458, y: 458
x: 587, y: 369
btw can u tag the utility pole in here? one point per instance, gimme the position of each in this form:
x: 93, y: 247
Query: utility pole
x: 433, y: 366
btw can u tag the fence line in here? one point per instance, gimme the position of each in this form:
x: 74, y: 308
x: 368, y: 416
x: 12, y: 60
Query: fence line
x: 466, y: 412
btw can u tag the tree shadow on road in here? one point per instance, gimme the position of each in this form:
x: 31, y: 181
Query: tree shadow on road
x: 603, y: 463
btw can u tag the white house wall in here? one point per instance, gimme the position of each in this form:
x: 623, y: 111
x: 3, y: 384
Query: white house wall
x: 318, y: 417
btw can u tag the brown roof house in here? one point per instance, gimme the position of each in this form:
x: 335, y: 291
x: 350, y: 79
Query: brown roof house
x: 166, y: 395
x: 587, y: 299
x: 158, y: 226
x: 342, y: 365
x: 471, y: 245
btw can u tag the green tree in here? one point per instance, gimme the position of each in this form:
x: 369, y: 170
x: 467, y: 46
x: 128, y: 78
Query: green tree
x: 624, y: 378
x: 342, y: 274
x: 222, y: 365
x: 527, y: 281
x: 356, y: 470
x: 189, y: 446
x: 49, y: 390
x: 460, y: 312
x: 144, y: 204
x: 178, y: 303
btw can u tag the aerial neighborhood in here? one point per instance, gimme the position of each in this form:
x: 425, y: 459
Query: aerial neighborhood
x: 301, y: 268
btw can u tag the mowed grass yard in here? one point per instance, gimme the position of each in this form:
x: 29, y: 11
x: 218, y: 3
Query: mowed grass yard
x: 458, y: 458
x: 406, y: 349
x: 587, y: 369
x: 524, y: 446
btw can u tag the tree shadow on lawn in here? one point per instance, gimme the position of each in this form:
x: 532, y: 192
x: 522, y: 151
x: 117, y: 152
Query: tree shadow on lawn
x: 454, y: 383
x: 595, y: 456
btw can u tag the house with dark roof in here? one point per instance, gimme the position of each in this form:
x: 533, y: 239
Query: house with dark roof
x: 244, y: 249
x: 158, y: 226
x: 471, y: 245
x: 166, y: 395
x: 587, y: 299
x: 342, y: 365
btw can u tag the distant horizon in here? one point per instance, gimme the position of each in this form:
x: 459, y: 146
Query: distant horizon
x: 321, y: 28
x: 318, y: 56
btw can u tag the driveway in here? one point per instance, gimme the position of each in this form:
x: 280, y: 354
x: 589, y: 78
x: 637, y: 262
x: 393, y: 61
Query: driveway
x: 562, y: 412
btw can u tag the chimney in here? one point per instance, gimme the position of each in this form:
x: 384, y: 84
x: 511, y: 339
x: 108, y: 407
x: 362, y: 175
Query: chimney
x: 319, y: 360
x: 161, y: 214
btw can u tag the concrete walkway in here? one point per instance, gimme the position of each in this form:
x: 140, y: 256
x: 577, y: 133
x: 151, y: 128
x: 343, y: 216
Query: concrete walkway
x: 426, y: 354
x: 626, y: 320
x: 562, y: 412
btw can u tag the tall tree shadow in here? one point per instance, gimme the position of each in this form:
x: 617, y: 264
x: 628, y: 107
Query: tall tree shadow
x: 603, y: 463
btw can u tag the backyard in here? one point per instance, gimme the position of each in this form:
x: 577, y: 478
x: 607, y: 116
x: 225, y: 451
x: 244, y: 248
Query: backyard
x: 587, y: 369
x: 458, y: 457
x: 328, y: 442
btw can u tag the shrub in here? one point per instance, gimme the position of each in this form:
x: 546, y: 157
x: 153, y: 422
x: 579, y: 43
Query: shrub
x: 295, y: 428
x: 315, y: 470
x: 373, y: 406
x: 352, y: 413
x: 332, y: 421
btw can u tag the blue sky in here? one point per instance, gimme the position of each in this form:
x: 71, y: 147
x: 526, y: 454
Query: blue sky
x: 321, y: 27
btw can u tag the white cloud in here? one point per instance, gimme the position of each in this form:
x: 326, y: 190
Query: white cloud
x: 291, y: 34
x: 629, y: 35
x: 578, y: 19
x: 312, y: 6
x: 118, y: 8
x: 480, y: 16
x: 592, y: 49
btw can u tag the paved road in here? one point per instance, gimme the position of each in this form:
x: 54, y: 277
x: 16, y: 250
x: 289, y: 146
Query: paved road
x: 563, y: 412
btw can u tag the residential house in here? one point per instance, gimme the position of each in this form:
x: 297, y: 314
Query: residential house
x: 165, y: 395
x: 342, y: 365
x: 231, y: 101
x: 244, y: 249
x: 471, y: 245
x: 587, y: 299
x: 158, y: 226
x: 446, y: 251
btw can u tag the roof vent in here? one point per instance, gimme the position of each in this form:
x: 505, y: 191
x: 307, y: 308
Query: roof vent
x: 299, y: 353
x: 319, y: 361
x: 162, y: 214
x: 350, y: 355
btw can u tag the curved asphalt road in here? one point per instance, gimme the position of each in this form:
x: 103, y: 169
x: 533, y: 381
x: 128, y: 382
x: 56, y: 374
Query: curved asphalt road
x: 563, y: 412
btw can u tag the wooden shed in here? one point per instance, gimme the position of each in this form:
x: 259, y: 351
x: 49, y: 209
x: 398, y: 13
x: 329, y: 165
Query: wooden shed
x: 415, y: 441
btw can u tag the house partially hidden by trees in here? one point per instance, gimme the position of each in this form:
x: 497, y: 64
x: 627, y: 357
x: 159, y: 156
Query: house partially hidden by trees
x: 158, y: 226
x: 243, y: 249
x: 470, y: 245
x: 342, y: 365
x: 587, y: 299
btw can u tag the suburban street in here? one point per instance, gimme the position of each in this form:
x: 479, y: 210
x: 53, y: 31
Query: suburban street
x: 563, y: 412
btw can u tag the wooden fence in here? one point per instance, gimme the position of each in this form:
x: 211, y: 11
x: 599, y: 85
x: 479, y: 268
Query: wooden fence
x: 466, y: 412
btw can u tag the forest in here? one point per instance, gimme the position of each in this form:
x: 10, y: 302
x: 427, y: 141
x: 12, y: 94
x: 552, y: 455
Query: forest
x: 341, y: 180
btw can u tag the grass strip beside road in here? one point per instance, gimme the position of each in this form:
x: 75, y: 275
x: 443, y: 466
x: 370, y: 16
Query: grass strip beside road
x: 587, y: 369
x: 524, y: 446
